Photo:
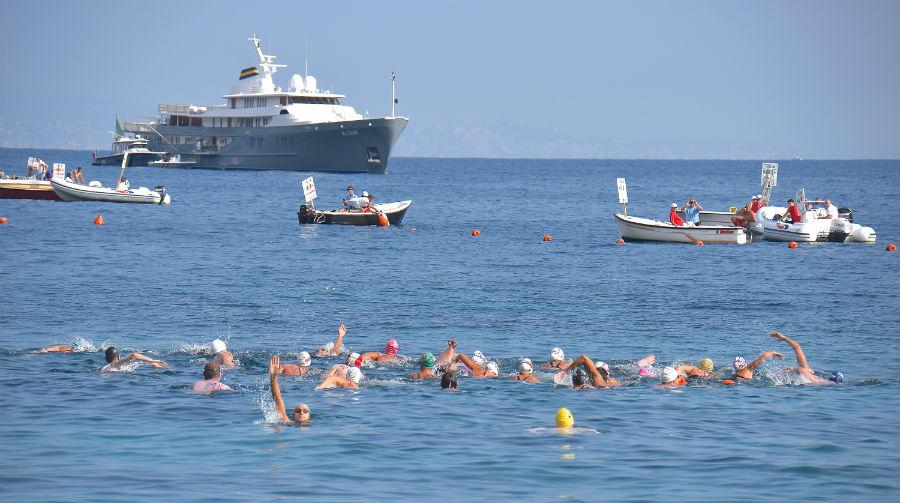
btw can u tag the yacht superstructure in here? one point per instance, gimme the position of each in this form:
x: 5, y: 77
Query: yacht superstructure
x: 262, y: 126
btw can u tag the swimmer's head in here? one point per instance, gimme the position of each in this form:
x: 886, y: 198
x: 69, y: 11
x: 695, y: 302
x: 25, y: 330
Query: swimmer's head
x: 325, y: 350
x: 479, y: 359
x: 301, y: 413
x: 706, y: 365
x: 603, y: 368
x: 427, y: 361
x: 557, y: 355
x: 564, y: 418
x: 303, y: 359
x: 525, y: 366
x: 78, y: 346
x: 578, y: 377
x: 212, y: 371
x: 739, y: 363
x: 448, y: 380
x: 111, y: 354
x: 218, y: 346
x: 837, y: 376
x: 668, y: 375
x: 646, y: 372
x: 493, y: 368
x: 528, y: 360
x: 391, y: 347
x: 354, y: 374
x: 354, y: 360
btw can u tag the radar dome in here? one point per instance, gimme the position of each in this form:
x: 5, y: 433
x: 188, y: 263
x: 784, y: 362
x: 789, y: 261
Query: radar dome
x: 296, y: 83
x: 311, y: 84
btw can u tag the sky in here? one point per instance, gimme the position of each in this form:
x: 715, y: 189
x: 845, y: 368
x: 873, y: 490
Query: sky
x: 705, y: 79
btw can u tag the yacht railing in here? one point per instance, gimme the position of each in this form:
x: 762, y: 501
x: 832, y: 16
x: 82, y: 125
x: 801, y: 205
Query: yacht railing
x: 137, y: 127
x: 186, y: 109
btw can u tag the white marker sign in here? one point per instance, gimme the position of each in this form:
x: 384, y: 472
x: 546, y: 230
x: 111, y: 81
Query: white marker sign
x: 309, y: 189
x: 59, y: 170
x: 770, y: 173
x: 623, y: 192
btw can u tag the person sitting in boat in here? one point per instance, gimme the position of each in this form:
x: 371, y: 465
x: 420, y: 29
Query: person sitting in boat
x: 792, y: 215
x: 744, y: 216
x: 831, y: 210
x: 367, y: 202
x: 301, y: 414
x: 692, y: 211
x: 803, y: 369
x: 756, y: 203
x: 210, y: 382
x: 674, y: 219
x: 123, y: 185
x: 76, y: 176
x: 352, y: 201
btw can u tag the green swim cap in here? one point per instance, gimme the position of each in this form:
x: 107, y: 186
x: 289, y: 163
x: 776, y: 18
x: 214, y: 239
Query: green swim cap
x: 427, y: 360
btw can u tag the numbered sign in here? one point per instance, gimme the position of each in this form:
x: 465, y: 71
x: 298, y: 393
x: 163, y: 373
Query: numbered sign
x: 769, y: 175
x: 59, y: 170
x: 309, y: 189
x: 623, y: 192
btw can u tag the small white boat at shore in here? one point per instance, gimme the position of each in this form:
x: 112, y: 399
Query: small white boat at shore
x: 122, y: 193
x: 644, y: 229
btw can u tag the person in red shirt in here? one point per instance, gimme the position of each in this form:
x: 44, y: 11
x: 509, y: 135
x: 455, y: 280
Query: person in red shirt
x: 792, y: 215
x: 674, y: 219
x: 756, y: 204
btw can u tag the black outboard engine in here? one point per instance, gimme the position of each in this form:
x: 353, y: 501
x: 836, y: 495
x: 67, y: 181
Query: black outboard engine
x: 162, y: 193
x: 306, y: 214
x: 846, y: 213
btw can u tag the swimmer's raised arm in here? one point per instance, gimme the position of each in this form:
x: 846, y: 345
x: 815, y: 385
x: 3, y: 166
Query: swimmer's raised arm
x: 762, y: 358
x: 798, y: 351
x: 448, y: 355
x: 274, y: 370
x: 692, y: 371
x: 646, y: 361
x: 585, y: 360
x: 138, y: 356
x: 474, y: 367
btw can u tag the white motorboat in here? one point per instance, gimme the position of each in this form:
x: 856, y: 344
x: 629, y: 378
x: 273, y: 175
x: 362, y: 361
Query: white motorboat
x: 814, y: 225
x: 644, y: 229
x: 172, y: 161
x: 122, y: 193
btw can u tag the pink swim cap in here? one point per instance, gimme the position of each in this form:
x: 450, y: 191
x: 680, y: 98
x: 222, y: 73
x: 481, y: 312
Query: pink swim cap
x: 391, y: 347
x: 646, y: 372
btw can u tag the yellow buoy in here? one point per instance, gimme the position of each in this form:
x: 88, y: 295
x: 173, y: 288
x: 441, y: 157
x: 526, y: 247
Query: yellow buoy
x: 564, y: 418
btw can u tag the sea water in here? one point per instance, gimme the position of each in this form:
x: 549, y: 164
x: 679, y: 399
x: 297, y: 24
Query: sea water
x: 229, y: 260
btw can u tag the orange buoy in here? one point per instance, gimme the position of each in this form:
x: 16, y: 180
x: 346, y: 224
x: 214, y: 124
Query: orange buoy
x: 383, y: 221
x: 699, y: 243
x: 792, y: 245
x: 98, y: 220
x: 476, y: 232
x: 890, y: 247
x: 548, y: 237
x: 620, y: 241
x: 727, y: 381
x: 4, y: 220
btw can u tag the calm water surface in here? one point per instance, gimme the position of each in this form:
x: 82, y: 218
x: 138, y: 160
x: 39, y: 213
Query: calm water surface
x: 228, y: 260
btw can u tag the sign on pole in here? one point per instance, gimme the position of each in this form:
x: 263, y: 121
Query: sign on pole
x: 309, y: 189
x: 59, y: 170
x: 623, y: 194
x: 769, y: 173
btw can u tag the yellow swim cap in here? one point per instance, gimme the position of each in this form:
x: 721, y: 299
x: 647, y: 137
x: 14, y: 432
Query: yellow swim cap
x: 564, y: 418
x: 707, y: 365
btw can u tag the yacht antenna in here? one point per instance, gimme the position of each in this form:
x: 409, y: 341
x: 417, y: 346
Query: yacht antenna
x: 266, y: 61
x: 306, y: 56
x: 393, y: 94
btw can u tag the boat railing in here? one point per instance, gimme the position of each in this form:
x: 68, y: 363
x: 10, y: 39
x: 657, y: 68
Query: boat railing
x: 137, y: 127
x: 165, y: 108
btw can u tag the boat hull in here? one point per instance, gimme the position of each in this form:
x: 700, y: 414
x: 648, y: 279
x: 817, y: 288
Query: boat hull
x: 643, y: 229
x: 134, y: 159
x: 837, y: 230
x: 69, y: 191
x: 357, y: 146
x: 393, y: 211
x: 27, y: 189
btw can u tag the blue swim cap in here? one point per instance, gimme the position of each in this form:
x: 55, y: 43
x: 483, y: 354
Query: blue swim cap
x: 836, y: 376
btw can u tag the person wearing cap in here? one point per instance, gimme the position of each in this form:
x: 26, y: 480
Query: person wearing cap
x: 671, y: 378
x: 744, y: 370
x: 211, y: 375
x: 301, y: 413
x: 114, y: 363
x: 600, y: 376
x: 334, y: 348
x: 703, y: 369
x: 352, y: 201
x: 389, y: 356
x: 221, y: 355
x: 803, y: 369
x: 756, y: 203
x: 792, y: 215
x: 341, y: 376
x: 478, y: 365
x: 692, y: 211
x: 526, y: 372
x: 426, y: 367
x: 674, y: 219
x: 557, y: 359
x: 300, y: 368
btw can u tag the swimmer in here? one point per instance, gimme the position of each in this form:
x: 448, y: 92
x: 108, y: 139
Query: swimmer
x: 114, y: 363
x: 221, y: 355
x: 579, y: 377
x: 448, y: 380
x: 671, y: 378
x: 446, y: 360
x: 803, y: 368
x: 426, y: 367
x: 211, y: 375
x: 390, y: 353
x: 299, y: 368
x: 557, y: 359
x: 334, y: 348
x: 703, y: 369
x: 743, y: 370
x: 526, y: 372
x: 301, y: 414
x: 479, y: 365
x: 341, y: 376
x: 76, y: 347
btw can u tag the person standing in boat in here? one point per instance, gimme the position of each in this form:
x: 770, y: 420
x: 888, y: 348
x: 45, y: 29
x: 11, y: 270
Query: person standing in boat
x: 692, y: 211
x: 674, y: 219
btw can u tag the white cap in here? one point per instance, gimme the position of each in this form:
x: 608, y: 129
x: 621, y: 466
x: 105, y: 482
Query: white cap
x: 493, y: 367
x: 479, y: 359
x: 528, y: 360
x: 669, y: 374
x: 601, y: 365
x: 304, y: 359
x: 354, y: 374
x: 365, y: 194
x: 351, y: 359
x: 759, y: 196
x: 525, y: 367
x: 755, y: 197
x: 557, y: 355
x: 218, y: 346
x: 674, y: 205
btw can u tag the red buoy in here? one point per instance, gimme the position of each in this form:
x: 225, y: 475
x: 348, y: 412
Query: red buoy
x: 383, y: 221
x: 548, y: 237
x: 792, y: 245
x: 476, y: 232
x: 890, y: 247
x: 98, y: 220
x: 620, y: 241
x: 699, y: 243
x: 4, y: 220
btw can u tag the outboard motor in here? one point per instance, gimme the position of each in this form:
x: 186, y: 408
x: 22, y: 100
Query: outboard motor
x: 755, y: 229
x: 306, y: 214
x: 839, y: 230
x: 162, y: 193
x: 846, y: 213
